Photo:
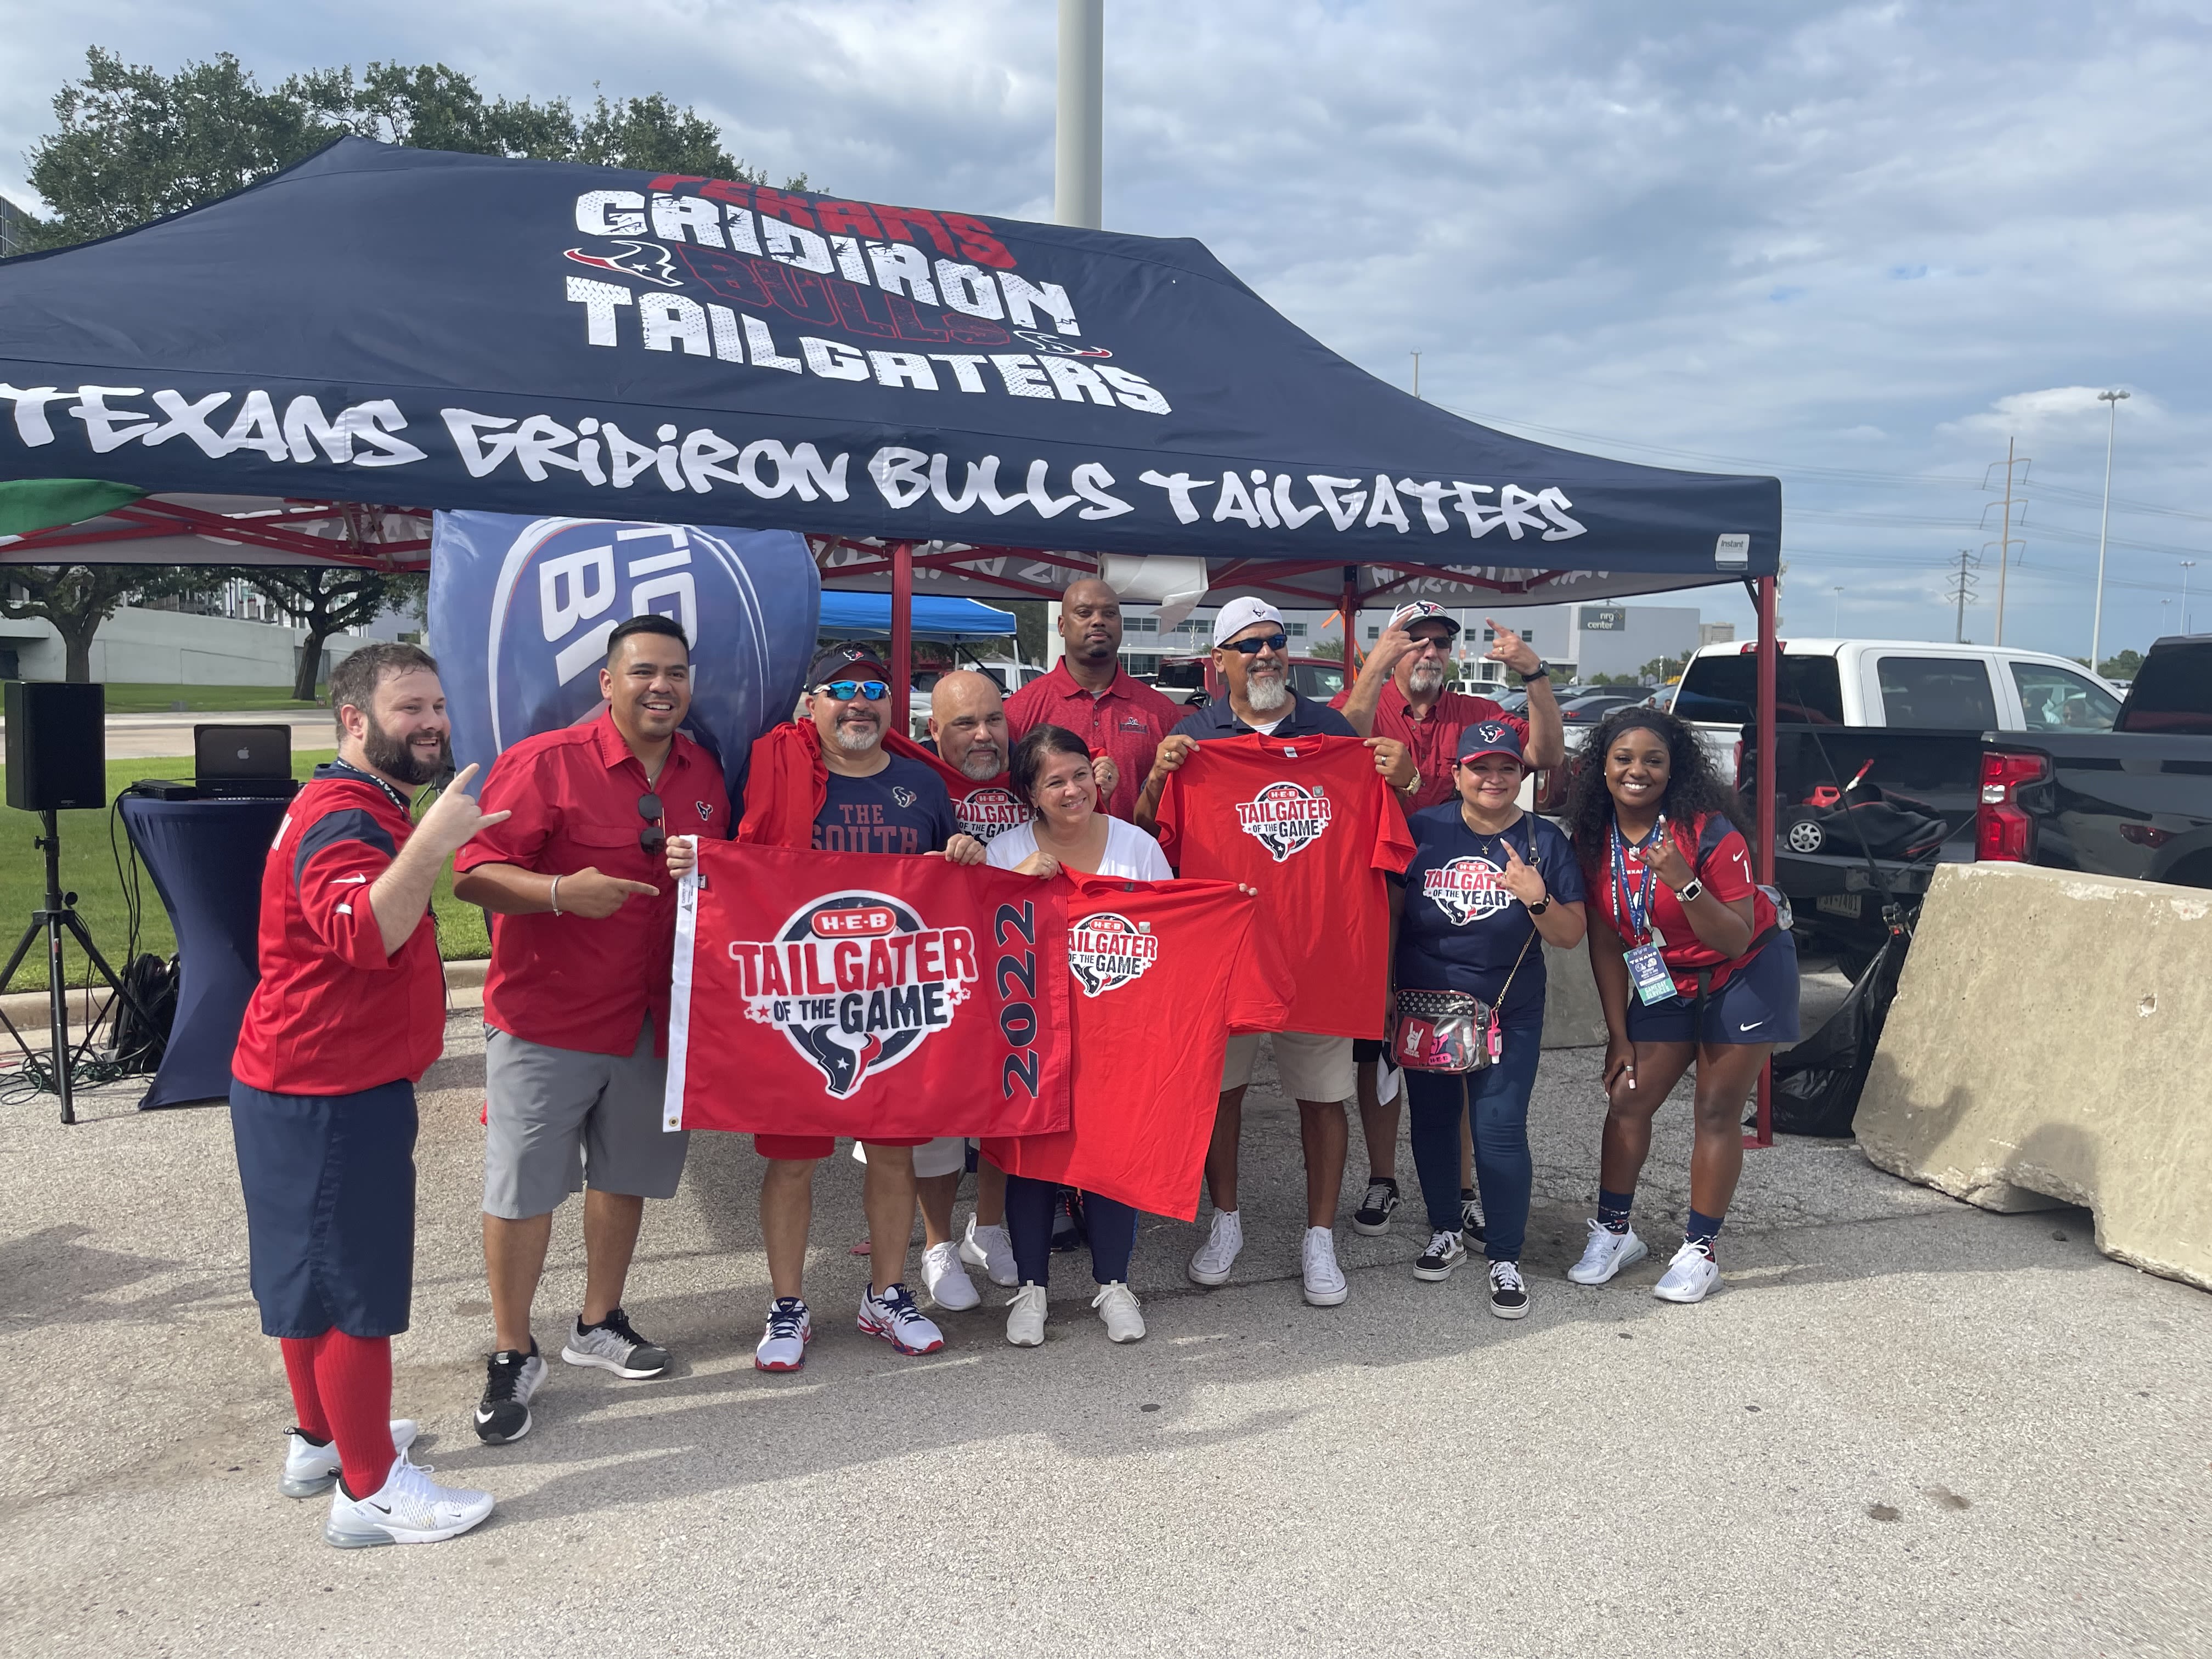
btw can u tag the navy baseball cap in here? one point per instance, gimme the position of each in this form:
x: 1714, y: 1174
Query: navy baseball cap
x: 1409, y: 617
x: 1488, y: 737
x: 845, y: 662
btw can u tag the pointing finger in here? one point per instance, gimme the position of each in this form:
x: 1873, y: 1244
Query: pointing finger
x: 645, y: 887
x: 461, y: 778
x: 490, y: 818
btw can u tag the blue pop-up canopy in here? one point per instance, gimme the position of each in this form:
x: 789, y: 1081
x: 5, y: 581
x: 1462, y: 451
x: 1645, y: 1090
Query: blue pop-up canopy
x: 416, y: 329
x: 848, y: 615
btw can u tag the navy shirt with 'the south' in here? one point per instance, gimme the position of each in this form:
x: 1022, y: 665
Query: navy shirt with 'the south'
x: 904, y: 808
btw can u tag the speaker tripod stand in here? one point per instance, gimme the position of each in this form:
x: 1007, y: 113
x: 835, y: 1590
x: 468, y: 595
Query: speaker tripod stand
x: 56, y: 917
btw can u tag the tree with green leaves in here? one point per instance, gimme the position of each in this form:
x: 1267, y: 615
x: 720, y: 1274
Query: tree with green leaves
x: 326, y: 600
x: 132, y: 143
x: 2124, y: 666
x: 77, y: 598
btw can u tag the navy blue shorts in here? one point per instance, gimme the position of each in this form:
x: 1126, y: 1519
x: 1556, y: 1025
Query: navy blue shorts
x: 330, y: 1207
x: 1759, y: 1004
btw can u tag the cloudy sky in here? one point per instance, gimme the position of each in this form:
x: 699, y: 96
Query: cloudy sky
x: 1859, y: 246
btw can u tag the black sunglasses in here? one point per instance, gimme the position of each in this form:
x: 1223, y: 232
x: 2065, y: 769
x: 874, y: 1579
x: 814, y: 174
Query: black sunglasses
x: 652, y: 837
x: 1265, y: 642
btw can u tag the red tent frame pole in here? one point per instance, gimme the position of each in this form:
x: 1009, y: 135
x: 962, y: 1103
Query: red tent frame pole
x: 1762, y: 855
x: 902, y: 662
x: 1350, y: 612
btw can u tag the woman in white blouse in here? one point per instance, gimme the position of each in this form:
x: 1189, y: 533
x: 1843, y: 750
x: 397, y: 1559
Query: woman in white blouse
x: 1051, y: 771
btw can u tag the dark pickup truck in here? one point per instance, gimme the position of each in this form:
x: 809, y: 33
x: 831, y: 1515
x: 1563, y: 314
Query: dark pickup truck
x: 1864, y: 814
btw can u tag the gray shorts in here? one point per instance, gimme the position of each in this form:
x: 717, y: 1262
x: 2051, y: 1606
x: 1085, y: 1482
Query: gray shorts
x: 555, y: 1115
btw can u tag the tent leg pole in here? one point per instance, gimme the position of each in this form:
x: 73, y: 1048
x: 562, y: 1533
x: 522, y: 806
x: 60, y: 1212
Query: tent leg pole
x: 1763, y: 815
x: 1350, y: 612
x: 902, y: 662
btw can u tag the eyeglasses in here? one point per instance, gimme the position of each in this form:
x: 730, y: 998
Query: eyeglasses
x: 846, y: 690
x: 652, y: 837
x: 1254, y: 648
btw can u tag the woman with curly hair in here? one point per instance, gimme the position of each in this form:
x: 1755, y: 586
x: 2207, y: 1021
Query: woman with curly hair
x: 1691, y: 970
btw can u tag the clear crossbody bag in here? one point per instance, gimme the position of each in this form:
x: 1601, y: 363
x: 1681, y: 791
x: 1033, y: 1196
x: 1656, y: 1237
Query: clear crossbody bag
x: 1452, y: 1030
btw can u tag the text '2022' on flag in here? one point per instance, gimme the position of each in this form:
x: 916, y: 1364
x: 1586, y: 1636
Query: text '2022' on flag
x: 839, y: 994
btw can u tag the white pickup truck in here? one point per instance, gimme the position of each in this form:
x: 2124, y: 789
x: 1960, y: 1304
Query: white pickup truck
x: 1895, y: 682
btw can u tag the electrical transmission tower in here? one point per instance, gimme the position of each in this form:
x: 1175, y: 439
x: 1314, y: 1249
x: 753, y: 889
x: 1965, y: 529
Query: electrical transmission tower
x: 1961, y: 590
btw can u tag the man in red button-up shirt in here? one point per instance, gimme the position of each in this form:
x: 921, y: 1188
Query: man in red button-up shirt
x: 1089, y: 693
x: 575, y: 1064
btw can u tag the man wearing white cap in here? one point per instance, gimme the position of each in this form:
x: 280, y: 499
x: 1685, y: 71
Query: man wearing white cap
x: 1251, y: 652
x: 1402, y: 692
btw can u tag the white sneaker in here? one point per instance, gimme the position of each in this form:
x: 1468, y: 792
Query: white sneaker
x: 990, y: 1249
x: 1117, y: 1306
x: 782, y: 1347
x: 1325, y: 1285
x: 894, y: 1317
x: 1692, y: 1276
x: 1025, y: 1318
x: 1210, y: 1264
x: 409, y: 1508
x: 1606, y: 1253
x: 945, y: 1279
x: 311, y: 1470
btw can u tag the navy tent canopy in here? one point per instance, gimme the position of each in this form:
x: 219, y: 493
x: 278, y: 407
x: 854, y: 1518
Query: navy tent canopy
x: 410, y: 329
x: 849, y: 616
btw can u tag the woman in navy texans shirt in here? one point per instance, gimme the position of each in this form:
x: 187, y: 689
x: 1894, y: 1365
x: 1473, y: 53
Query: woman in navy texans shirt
x: 1488, y: 887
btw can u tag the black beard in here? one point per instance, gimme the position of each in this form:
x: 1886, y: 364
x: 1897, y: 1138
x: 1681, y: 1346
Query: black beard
x: 392, y: 756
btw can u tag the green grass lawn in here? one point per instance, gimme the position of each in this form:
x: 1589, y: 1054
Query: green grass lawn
x: 140, y: 699
x: 88, y: 867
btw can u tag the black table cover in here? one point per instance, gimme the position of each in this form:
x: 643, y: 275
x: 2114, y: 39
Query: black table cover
x: 205, y: 858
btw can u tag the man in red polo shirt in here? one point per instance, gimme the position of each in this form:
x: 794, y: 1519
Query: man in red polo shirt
x: 1400, y: 693
x: 583, y: 937
x: 1088, y: 693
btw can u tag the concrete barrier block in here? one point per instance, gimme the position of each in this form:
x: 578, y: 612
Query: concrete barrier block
x: 1572, y: 1017
x: 2050, y: 1044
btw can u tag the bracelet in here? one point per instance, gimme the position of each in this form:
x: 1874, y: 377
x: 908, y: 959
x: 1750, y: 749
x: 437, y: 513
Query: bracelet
x: 553, y: 896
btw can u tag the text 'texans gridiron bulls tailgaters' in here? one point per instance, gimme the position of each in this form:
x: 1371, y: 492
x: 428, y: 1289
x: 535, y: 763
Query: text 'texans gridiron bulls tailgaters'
x: 1161, y: 972
x: 827, y: 993
x: 1310, y: 823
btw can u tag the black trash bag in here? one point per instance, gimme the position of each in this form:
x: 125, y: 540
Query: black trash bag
x: 1818, y: 1082
x: 140, y: 1044
x: 1882, y: 828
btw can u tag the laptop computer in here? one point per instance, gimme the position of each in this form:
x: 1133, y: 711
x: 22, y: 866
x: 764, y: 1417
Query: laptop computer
x: 240, y: 763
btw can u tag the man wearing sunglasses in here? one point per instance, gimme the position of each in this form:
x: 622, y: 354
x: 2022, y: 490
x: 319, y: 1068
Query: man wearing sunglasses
x: 583, y: 932
x: 1251, y: 650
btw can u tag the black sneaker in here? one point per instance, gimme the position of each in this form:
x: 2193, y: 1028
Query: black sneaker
x: 612, y: 1345
x: 1509, y: 1297
x: 1373, y: 1216
x: 1067, y: 1229
x: 1470, y: 1218
x: 1444, y: 1253
x: 511, y: 1376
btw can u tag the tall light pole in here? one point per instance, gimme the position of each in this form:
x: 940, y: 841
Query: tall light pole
x: 1836, y: 613
x: 2187, y: 565
x: 2097, y: 622
x: 1078, y: 189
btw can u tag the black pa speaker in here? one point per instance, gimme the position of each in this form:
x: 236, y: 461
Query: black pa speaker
x: 56, y: 746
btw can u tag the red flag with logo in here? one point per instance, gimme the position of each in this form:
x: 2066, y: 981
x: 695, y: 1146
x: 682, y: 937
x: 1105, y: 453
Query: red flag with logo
x: 850, y: 994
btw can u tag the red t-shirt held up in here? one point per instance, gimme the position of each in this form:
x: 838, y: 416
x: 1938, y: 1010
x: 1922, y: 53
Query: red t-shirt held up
x: 1160, y: 973
x: 1723, y: 862
x: 569, y: 981
x: 1310, y: 823
x: 333, y: 1014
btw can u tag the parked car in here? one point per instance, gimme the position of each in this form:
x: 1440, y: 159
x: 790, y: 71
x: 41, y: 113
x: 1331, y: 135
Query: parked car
x: 1862, y: 813
x: 1899, y: 684
x: 1583, y: 708
x: 1011, y: 676
x: 1193, y: 681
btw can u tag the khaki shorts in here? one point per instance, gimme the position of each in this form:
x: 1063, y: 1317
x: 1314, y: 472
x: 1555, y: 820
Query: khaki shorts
x: 1311, y: 1067
x: 946, y: 1155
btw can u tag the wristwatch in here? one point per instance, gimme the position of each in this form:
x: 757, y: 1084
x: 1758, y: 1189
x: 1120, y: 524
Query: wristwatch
x: 1690, y: 890
x: 1414, y: 788
x: 1541, y: 671
x: 1542, y: 904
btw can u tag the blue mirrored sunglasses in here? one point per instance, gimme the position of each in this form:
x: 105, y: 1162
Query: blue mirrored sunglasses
x: 846, y: 690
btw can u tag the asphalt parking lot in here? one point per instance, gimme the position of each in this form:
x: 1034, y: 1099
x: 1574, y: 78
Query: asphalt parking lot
x: 1905, y: 1427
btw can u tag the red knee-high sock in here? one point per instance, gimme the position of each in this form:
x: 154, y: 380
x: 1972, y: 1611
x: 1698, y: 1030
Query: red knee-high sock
x: 300, y: 1372
x: 353, y: 1373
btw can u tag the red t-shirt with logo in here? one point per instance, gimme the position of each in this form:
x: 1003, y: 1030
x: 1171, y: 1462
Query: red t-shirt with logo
x: 1310, y: 823
x: 1187, y: 961
x: 333, y: 1014
x: 1723, y: 862
x: 569, y: 981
